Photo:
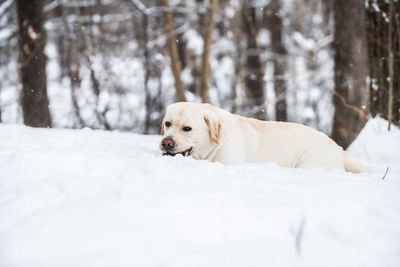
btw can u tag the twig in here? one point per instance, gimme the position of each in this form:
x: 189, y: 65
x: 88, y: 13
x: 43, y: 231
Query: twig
x: 347, y: 105
x: 139, y: 6
x: 299, y: 235
x: 387, y: 170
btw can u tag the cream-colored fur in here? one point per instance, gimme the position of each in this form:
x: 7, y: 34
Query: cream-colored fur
x: 218, y: 135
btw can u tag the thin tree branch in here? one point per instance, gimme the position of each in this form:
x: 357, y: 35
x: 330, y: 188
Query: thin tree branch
x: 360, y: 111
x: 139, y: 6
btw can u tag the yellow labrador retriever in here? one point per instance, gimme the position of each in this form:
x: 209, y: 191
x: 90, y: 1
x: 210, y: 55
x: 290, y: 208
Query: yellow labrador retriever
x: 206, y: 132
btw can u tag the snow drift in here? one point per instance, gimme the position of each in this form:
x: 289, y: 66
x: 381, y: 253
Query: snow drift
x: 94, y: 198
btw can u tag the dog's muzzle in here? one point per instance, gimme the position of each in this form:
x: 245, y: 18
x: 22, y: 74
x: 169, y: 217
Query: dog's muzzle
x: 168, y: 143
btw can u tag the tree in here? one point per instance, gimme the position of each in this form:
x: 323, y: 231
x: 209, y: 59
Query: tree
x: 350, y: 96
x: 254, y: 74
x: 70, y: 63
x: 205, y: 64
x: 383, y: 26
x: 390, y: 65
x: 144, y: 42
x: 275, y: 26
x: 173, y: 52
x: 32, y: 60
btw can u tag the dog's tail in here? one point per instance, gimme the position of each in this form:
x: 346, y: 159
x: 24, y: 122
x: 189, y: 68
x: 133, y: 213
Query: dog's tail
x: 351, y: 164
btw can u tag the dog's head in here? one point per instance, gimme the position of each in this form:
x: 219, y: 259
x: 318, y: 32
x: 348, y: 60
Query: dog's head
x: 190, y: 129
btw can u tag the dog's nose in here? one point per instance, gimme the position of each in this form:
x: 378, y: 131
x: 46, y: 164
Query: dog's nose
x: 168, y: 143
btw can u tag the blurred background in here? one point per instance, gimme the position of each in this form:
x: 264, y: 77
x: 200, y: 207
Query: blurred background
x: 117, y: 64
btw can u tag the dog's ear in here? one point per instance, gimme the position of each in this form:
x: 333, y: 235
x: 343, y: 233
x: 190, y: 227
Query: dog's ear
x: 214, y: 129
x: 162, y: 128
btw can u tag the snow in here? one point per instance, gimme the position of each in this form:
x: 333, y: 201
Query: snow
x: 377, y: 145
x: 95, y: 198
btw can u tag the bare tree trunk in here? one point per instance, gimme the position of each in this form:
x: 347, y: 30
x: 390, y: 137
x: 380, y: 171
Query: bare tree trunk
x: 279, y: 59
x: 89, y: 52
x: 144, y: 40
x: 390, y: 65
x: 75, y: 81
x: 173, y: 52
x: 32, y: 60
x: 148, y: 101
x: 205, y: 64
x: 351, y: 69
x: 72, y: 64
x: 382, y: 40
x: 253, y: 78
x: 237, y: 58
x: 61, y: 42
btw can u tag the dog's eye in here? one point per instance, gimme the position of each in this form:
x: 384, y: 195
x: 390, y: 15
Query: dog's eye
x: 186, y: 129
x: 167, y: 123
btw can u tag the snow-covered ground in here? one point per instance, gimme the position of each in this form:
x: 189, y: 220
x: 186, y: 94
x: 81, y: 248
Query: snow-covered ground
x: 93, y: 198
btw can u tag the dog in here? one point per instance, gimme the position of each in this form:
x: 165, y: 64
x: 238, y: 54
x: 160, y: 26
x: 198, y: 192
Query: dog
x: 205, y: 132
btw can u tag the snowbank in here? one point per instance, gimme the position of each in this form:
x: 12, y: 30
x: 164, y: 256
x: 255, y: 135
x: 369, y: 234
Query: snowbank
x: 93, y: 198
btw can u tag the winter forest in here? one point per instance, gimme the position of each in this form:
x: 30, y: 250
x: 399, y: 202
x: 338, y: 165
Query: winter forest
x: 116, y: 65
